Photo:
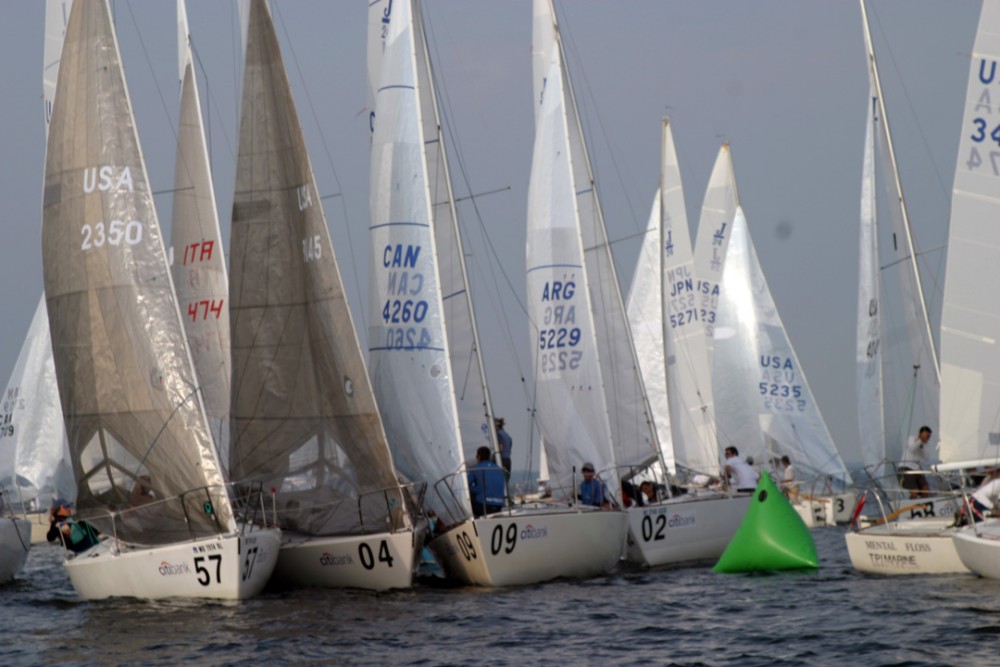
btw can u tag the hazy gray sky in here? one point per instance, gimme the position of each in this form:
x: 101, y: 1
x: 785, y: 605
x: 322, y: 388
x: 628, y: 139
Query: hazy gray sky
x: 785, y: 82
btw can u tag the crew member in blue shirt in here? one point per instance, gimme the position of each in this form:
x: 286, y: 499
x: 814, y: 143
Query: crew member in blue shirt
x: 592, y: 491
x: 506, y: 445
x: 486, y: 484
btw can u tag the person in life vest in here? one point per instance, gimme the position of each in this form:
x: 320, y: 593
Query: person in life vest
x: 75, y: 535
x: 487, y: 484
x: 592, y: 490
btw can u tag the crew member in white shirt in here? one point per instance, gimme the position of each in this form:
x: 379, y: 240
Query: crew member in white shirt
x: 739, y: 474
x: 913, y: 460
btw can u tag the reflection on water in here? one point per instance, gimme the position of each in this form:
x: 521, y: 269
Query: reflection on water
x: 683, y: 617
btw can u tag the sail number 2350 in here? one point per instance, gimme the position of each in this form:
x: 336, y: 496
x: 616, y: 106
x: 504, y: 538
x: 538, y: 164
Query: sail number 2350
x: 95, y: 236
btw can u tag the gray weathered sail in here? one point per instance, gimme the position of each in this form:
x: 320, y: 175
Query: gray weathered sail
x: 126, y: 379
x: 304, y: 419
x: 199, y: 268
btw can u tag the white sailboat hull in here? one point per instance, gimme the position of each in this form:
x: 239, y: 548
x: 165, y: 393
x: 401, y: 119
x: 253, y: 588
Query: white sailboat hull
x: 682, y: 530
x: 529, y: 545
x: 979, y: 549
x: 921, y: 546
x: 376, y: 562
x: 15, y: 542
x: 227, y: 567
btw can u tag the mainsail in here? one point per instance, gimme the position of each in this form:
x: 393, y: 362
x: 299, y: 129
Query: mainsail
x: 199, y: 268
x: 970, y: 358
x: 869, y: 342
x: 408, y: 342
x: 714, y: 229
x: 304, y: 415
x: 769, y: 409
x: 126, y: 379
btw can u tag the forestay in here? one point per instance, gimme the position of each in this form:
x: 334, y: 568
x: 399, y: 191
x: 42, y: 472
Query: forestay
x: 910, y: 386
x: 408, y: 344
x: 199, y: 262
x: 475, y: 412
x: 970, y: 354
x: 769, y: 409
x: 304, y: 415
x: 128, y: 389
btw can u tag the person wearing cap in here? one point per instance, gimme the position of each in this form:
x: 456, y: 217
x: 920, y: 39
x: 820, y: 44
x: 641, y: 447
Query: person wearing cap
x: 506, y: 445
x: 592, y: 491
x: 75, y: 535
x: 486, y: 484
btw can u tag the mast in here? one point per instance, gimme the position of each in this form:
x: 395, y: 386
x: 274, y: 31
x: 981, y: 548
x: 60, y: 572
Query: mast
x: 456, y: 229
x: 604, y: 247
x: 873, y: 68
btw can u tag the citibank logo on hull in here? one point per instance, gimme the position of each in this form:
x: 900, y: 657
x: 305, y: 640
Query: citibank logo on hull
x: 330, y: 560
x: 169, y: 569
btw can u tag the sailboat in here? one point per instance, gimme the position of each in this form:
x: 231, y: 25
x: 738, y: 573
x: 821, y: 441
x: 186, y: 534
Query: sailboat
x: 899, y: 354
x: 305, y: 422
x: 667, y: 314
x: 199, y: 263
x: 131, y: 403
x: 769, y: 409
x: 897, y: 366
x: 422, y: 331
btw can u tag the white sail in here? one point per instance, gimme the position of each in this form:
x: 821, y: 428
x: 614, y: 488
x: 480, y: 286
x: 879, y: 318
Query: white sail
x: 910, y: 384
x: 33, y: 442
x: 684, y: 309
x: 970, y: 349
x: 769, y: 409
x: 645, y: 316
x: 128, y: 388
x: 569, y: 400
x: 408, y: 344
x: 714, y: 228
x: 199, y: 267
x: 869, y: 353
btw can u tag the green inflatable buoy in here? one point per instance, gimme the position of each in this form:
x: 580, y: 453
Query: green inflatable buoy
x: 772, y: 536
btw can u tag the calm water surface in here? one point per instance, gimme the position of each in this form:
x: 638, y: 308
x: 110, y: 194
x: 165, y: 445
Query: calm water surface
x: 670, y: 617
